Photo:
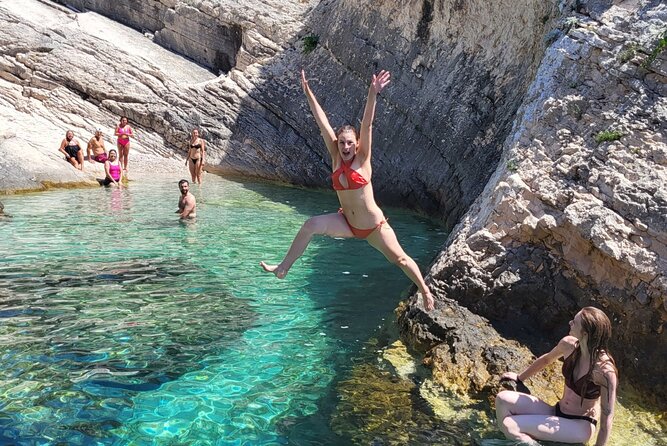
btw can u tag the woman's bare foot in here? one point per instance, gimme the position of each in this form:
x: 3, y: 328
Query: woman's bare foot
x: 275, y: 269
x: 429, y: 303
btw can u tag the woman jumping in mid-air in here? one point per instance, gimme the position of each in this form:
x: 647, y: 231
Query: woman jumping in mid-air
x: 359, y: 215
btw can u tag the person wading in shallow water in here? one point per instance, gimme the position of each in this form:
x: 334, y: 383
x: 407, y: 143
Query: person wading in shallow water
x: 187, y: 205
x: 590, y: 389
x: 359, y: 215
x: 2, y: 212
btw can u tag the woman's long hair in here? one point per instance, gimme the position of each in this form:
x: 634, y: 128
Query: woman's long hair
x: 597, y: 326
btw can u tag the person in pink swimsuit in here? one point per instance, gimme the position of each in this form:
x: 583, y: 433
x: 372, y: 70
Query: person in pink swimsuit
x: 113, y: 170
x: 359, y: 215
x: 124, y: 133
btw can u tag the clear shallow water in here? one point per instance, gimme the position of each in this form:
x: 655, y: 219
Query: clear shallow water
x: 120, y: 324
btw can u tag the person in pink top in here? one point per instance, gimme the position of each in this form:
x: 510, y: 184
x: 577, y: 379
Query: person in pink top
x: 113, y: 170
x: 124, y: 133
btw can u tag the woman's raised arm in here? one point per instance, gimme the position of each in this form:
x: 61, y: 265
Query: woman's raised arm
x: 378, y: 82
x: 326, y: 130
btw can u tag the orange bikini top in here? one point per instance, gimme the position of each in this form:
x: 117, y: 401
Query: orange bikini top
x: 354, y: 178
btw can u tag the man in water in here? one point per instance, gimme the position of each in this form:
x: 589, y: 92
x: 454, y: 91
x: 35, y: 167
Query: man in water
x: 186, y: 204
x: 2, y: 212
x: 96, y: 146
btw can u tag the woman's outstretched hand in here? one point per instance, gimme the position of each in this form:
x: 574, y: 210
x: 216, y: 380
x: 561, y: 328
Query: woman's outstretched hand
x: 380, y: 81
x: 304, y: 82
x: 511, y: 376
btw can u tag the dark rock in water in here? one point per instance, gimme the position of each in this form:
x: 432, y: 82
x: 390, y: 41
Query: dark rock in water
x: 466, y: 354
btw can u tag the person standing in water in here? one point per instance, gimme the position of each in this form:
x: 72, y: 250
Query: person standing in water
x: 359, y: 215
x: 187, y: 205
x: 123, y: 133
x: 591, y: 380
x: 196, y: 156
x: 96, y: 147
x: 71, y: 148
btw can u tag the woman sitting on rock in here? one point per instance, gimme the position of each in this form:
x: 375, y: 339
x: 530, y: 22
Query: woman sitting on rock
x: 359, y: 215
x: 590, y: 389
x: 71, y: 148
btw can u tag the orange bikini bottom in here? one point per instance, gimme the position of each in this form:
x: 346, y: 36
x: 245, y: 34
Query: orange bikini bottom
x: 361, y: 233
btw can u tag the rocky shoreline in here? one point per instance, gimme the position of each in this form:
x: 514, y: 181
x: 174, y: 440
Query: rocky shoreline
x: 535, y: 131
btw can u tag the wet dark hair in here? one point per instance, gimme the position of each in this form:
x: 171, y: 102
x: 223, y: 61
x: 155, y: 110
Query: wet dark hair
x: 347, y: 128
x: 597, y: 327
x: 183, y: 181
x: 121, y: 119
x: 114, y: 151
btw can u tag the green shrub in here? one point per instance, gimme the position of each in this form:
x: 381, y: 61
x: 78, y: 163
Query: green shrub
x: 608, y: 135
x: 310, y: 42
x: 512, y: 165
x: 659, y: 48
x: 627, y: 53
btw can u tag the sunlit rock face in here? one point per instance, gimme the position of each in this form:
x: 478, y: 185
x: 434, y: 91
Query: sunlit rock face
x: 576, y: 213
x: 184, y: 28
x: 459, y: 72
x: 536, y: 128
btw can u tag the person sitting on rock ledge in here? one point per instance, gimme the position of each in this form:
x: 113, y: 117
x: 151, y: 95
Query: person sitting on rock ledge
x: 96, y: 147
x: 71, y: 148
x: 359, y: 215
x: 113, y: 171
x: 590, y: 389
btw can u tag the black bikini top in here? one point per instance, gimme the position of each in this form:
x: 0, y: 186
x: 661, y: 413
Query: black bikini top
x: 195, y: 146
x: 584, y: 386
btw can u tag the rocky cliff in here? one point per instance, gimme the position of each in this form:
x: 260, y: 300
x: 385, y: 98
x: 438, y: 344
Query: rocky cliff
x: 576, y: 212
x: 537, y: 128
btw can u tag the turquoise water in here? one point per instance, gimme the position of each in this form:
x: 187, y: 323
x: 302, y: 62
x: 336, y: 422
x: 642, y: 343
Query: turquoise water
x: 119, y: 324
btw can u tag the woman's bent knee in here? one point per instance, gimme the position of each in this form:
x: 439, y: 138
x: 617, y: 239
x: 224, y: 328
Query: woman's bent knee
x: 506, y: 396
x: 311, y: 226
x: 401, y: 261
x: 508, y: 425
